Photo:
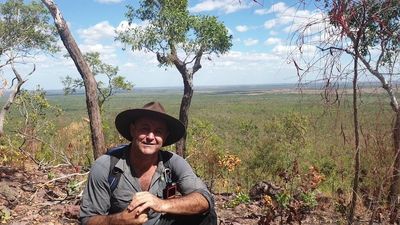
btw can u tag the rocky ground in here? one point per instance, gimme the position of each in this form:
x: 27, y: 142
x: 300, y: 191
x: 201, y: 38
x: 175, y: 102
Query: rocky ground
x: 32, y: 196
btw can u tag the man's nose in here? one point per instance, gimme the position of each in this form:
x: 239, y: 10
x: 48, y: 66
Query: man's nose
x: 150, y: 135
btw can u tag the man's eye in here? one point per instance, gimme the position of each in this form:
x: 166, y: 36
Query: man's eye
x: 144, y: 129
x: 159, y: 132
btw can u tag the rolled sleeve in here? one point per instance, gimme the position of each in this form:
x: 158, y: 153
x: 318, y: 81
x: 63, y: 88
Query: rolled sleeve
x: 187, y: 181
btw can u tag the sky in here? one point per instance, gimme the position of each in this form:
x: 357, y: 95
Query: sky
x: 262, y: 48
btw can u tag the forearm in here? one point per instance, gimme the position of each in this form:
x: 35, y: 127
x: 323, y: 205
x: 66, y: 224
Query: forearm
x: 121, y: 218
x: 100, y: 219
x: 193, y: 203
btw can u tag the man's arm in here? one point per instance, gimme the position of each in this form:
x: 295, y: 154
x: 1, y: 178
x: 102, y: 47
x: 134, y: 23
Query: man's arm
x: 124, y: 217
x: 193, y: 203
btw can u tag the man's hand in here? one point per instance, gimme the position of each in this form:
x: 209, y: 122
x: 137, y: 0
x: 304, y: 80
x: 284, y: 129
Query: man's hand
x: 142, y: 201
x: 193, y: 203
x: 125, y: 217
x: 134, y: 217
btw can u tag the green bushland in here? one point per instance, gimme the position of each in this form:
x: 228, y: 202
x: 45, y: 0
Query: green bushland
x: 235, y: 139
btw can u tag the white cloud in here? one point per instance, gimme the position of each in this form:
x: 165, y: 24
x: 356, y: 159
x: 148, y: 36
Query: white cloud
x: 273, y: 41
x: 109, y: 1
x: 227, y: 6
x: 245, y: 68
x: 102, y: 30
x: 241, y: 28
x: 270, y: 23
x: 250, y: 42
x: 293, y: 51
x: 107, y: 52
x: 276, y: 8
x: 291, y: 18
x: 124, y: 25
x: 279, y: 7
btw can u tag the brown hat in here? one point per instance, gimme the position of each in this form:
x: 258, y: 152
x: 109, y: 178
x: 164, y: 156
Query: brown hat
x: 153, y: 109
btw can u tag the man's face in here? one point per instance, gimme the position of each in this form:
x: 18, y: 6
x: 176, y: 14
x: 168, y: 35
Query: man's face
x: 148, y: 134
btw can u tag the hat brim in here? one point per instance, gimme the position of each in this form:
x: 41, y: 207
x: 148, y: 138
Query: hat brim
x: 124, y: 119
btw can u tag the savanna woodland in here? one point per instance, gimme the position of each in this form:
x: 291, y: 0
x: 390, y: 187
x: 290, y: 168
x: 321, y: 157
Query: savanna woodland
x: 319, y: 152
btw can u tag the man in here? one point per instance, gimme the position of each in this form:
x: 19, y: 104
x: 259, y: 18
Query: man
x: 144, y: 193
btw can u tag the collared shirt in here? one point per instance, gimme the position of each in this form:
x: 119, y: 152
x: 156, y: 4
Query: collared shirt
x: 97, y: 198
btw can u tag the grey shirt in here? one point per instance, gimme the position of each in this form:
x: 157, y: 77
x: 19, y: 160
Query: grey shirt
x: 98, y: 200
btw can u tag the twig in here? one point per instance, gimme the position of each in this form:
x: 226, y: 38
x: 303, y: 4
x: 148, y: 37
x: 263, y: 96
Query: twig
x: 66, y: 176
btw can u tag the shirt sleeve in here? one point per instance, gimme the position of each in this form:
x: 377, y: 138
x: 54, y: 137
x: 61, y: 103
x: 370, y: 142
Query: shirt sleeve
x: 96, y: 196
x: 187, y: 181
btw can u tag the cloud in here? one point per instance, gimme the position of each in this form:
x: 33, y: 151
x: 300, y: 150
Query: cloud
x: 109, y: 1
x: 102, y: 30
x: 273, y: 41
x: 291, y: 19
x: 293, y: 51
x: 245, y: 68
x: 124, y: 25
x: 241, y: 28
x: 226, y: 6
x: 250, y: 42
x: 107, y: 52
x: 270, y: 23
x: 276, y: 8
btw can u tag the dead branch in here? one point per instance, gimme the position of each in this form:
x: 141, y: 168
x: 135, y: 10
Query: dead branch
x: 66, y: 176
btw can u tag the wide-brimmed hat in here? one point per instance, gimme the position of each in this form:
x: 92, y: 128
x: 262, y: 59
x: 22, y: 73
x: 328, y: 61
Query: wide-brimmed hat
x: 123, y: 120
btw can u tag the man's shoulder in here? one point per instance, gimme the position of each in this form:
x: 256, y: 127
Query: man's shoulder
x: 101, y: 165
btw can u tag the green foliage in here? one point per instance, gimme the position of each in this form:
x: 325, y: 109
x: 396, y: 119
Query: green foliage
x: 114, y: 82
x: 240, y: 198
x: 283, y: 199
x: 205, y: 148
x: 283, y: 141
x: 261, y: 130
x: 51, y: 175
x: 170, y: 26
x: 25, y: 27
x: 72, y: 187
x: 309, y: 199
x: 33, y: 133
x: 5, y: 215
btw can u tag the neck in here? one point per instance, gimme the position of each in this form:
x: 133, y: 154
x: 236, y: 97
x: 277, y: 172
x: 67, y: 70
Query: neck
x: 141, y: 162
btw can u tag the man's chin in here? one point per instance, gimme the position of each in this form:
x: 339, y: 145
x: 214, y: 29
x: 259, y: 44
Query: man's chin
x: 149, y: 150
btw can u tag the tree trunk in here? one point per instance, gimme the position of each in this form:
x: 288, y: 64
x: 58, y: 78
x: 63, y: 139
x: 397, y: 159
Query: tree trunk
x: 184, y: 111
x: 11, y: 97
x: 395, y: 182
x: 87, y: 76
x: 356, y: 145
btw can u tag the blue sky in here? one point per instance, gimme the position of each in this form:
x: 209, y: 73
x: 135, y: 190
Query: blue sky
x: 262, y: 40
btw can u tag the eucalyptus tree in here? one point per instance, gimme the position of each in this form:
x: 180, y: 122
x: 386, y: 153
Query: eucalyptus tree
x: 178, y: 39
x: 105, y: 89
x: 369, y: 32
x: 24, y: 32
x: 87, y: 77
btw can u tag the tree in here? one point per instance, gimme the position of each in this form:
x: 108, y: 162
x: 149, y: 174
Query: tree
x: 104, y: 91
x: 177, y: 39
x: 87, y: 76
x: 24, y: 32
x: 368, y: 31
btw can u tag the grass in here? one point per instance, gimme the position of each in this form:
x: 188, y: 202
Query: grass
x: 255, y: 126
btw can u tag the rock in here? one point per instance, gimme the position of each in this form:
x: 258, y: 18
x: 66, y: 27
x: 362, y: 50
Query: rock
x: 71, y: 211
x: 262, y: 188
x: 9, y: 194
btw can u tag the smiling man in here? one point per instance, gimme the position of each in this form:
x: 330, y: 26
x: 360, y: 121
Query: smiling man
x: 142, y: 184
